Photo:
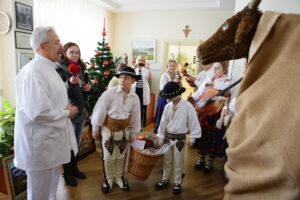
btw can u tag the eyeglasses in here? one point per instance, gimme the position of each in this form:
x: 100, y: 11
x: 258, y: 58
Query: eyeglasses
x: 217, y: 68
x: 73, y: 52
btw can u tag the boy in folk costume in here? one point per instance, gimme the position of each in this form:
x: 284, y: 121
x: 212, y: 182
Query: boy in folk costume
x: 178, y: 118
x: 116, y: 119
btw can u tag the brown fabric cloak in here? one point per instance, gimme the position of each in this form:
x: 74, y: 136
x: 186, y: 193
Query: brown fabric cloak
x: 264, y: 137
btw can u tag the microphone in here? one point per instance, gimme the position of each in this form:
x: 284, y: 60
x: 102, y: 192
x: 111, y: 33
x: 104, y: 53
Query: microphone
x: 73, y: 69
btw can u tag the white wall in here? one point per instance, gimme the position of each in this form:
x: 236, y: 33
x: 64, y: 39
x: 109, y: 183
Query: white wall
x: 166, y: 28
x: 8, y: 57
x: 87, y: 32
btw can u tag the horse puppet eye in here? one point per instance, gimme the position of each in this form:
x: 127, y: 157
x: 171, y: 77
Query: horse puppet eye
x: 225, y: 26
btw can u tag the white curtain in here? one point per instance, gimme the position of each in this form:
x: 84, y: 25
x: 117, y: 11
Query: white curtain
x: 79, y: 21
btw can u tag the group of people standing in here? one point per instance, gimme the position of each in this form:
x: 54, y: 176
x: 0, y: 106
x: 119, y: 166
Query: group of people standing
x: 51, y: 110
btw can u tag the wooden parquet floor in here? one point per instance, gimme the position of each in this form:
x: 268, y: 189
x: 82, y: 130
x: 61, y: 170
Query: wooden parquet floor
x: 196, y: 185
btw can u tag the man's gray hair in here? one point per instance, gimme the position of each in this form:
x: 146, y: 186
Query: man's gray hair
x: 40, y: 35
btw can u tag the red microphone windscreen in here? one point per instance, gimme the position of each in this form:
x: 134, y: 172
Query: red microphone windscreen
x: 73, y: 69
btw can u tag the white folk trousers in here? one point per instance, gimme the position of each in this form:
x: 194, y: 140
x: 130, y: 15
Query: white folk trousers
x: 42, y: 184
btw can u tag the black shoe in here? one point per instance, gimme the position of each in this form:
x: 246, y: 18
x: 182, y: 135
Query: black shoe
x: 208, y: 167
x: 177, y: 188
x: 105, y: 187
x: 161, y: 184
x: 78, y: 173
x: 70, y: 179
x: 125, y: 185
x: 200, y: 163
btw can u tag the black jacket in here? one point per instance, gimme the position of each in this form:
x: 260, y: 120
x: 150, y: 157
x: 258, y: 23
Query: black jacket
x: 76, y: 96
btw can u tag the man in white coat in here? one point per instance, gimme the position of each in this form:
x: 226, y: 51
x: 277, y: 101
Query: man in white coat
x: 43, y: 134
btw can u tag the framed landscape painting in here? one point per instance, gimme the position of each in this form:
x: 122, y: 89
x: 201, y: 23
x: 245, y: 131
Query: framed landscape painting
x: 145, y: 48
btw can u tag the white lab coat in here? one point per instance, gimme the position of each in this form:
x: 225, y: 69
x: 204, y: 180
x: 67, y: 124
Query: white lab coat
x: 43, y: 134
x: 146, y: 88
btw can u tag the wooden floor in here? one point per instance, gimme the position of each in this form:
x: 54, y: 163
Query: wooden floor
x: 196, y: 184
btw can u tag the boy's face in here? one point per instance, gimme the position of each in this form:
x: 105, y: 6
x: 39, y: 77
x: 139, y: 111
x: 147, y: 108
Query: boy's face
x: 126, y: 81
x: 174, y: 99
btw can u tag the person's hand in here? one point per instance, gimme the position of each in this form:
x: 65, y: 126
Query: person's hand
x: 96, y: 134
x: 191, y: 78
x: 177, y: 80
x: 191, y: 99
x: 160, y: 144
x: 147, y: 66
x: 209, y: 83
x: 131, y: 139
x: 191, y: 144
x: 74, y: 80
x: 86, y: 87
x: 223, y: 113
x: 136, y: 65
x: 73, y: 110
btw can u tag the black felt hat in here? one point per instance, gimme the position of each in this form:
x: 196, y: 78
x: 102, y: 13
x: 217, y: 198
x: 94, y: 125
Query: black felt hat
x: 129, y: 71
x: 171, y: 90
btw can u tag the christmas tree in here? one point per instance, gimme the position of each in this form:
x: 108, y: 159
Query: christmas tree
x: 102, y: 69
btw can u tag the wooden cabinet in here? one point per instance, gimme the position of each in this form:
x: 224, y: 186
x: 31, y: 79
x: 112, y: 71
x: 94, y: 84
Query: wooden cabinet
x: 150, y: 110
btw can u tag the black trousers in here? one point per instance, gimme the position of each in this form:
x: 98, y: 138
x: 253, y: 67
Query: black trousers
x: 139, y: 92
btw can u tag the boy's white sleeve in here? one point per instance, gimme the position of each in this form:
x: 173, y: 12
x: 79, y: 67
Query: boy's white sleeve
x: 135, y: 118
x: 193, y: 124
x: 99, y: 112
x: 163, y: 125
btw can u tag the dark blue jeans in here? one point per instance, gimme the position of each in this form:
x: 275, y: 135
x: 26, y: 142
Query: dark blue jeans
x: 78, y: 130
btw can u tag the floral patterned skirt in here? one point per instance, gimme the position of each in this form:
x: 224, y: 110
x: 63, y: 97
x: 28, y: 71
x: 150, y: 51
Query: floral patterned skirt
x: 212, y: 141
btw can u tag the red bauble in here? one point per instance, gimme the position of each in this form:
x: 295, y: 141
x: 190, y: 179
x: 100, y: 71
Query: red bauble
x: 92, y: 65
x: 95, y: 81
x: 97, y: 53
x: 106, y: 73
x: 112, y: 61
x: 105, y: 62
x: 108, y: 47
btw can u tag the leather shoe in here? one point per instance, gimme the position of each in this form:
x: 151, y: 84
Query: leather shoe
x: 177, y: 188
x: 161, y: 184
x: 105, y: 187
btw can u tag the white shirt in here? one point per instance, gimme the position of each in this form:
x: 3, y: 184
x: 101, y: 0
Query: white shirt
x: 165, y: 78
x: 219, y: 84
x: 43, y: 134
x: 111, y: 103
x: 146, y: 88
x: 185, y: 119
x: 203, y: 76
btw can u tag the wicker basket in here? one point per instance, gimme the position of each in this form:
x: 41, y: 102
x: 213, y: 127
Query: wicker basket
x: 140, y: 164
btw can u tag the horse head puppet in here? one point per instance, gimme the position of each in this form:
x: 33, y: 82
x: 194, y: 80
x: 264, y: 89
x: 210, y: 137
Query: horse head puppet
x: 232, y: 40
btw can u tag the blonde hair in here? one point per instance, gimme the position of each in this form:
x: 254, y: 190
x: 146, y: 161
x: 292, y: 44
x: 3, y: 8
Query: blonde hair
x: 170, y: 61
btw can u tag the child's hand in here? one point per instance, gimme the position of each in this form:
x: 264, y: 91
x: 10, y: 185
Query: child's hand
x: 131, y: 139
x: 209, y: 83
x: 191, y: 99
x: 191, y: 144
x: 96, y: 134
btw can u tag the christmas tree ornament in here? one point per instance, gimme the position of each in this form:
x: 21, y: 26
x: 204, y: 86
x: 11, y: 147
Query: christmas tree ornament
x: 106, y: 73
x: 95, y: 81
x: 105, y: 62
x: 97, y: 53
x: 92, y: 65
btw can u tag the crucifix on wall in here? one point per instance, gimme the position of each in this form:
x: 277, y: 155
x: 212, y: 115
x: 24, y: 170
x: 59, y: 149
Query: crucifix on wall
x: 186, y: 30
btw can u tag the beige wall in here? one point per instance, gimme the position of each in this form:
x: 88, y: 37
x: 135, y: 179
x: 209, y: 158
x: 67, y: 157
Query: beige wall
x: 8, y: 53
x: 166, y: 28
x: 89, y: 28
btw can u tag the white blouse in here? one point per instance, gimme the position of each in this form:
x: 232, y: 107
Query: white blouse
x: 112, y: 103
x: 165, y: 78
x: 146, y: 88
x: 185, y: 119
x: 203, y: 76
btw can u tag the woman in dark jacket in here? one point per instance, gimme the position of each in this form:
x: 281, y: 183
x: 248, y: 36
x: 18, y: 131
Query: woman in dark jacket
x: 78, y: 89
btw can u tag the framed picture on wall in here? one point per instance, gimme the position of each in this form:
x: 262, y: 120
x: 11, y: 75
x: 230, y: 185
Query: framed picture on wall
x: 24, y: 58
x: 22, y: 40
x: 24, y: 17
x: 16, y: 179
x: 145, y: 48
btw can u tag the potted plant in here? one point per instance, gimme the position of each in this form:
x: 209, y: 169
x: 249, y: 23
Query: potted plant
x: 7, y: 120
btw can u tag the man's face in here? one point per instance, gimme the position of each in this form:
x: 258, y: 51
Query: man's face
x: 126, y: 81
x: 52, y: 49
